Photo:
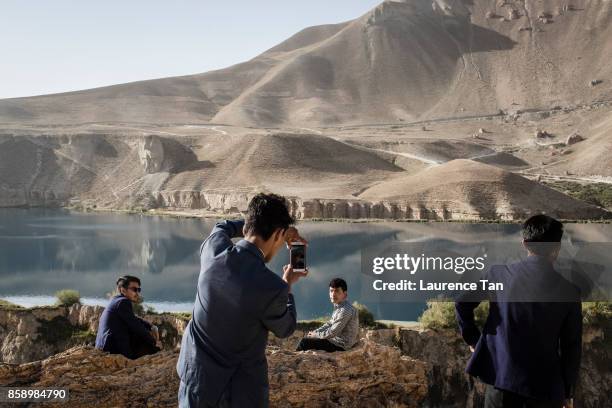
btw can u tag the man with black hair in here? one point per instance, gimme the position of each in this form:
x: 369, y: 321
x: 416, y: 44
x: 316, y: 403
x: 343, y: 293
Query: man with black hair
x: 530, y: 348
x: 341, y: 331
x: 238, y: 301
x: 120, y: 331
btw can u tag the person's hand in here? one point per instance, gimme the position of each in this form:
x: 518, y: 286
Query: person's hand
x: 292, y: 235
x: 155, y: 332
x: 290, y: 276
x: 568, y: 403
x: 472, y: 349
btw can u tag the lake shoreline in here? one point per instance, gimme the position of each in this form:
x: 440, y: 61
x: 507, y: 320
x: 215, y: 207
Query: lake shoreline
x: 185, y: 214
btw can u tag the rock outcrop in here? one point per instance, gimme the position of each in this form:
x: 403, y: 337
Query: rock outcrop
x: 34, y: 334
x: 400, y: 367
x: 371, y: 375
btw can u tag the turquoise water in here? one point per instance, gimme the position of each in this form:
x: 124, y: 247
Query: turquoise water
x: 42, y: 251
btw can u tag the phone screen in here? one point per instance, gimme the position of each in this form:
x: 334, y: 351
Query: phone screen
x: 298, y: 257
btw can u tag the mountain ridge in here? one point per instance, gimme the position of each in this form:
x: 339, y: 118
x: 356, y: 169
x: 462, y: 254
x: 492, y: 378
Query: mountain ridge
x: 401, y: 61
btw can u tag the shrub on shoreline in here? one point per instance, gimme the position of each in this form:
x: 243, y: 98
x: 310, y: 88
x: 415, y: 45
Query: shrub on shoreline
x: 441, y: 315
x: 5, y: 304
x: 366, y: 318
x: 67, y: 297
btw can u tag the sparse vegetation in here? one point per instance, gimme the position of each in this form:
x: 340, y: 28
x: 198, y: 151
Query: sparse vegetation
x: 59, y: 329
x: 67, y: 297
x: 148, y: 309
x: 186, y: 316
x: 441, y: 315
x: 138, y: 308
x: 366, y: 318
x: 5, y: 304
x: 599, y: 194
x: 595, y: 313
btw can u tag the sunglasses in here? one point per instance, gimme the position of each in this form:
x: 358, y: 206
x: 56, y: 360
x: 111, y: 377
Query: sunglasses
x: 135, y: 289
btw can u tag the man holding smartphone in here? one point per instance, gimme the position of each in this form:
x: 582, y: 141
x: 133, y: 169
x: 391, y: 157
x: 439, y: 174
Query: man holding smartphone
x: 238, y: 301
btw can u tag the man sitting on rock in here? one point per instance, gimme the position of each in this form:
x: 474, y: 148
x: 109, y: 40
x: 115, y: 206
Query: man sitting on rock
x: 120, y: 331
x: 341, y: 332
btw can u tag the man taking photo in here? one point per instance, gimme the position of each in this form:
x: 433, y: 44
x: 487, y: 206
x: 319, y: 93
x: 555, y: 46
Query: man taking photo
x: 222, y: 362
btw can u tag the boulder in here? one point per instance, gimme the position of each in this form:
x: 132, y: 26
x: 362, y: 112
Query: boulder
x: 574, y: 138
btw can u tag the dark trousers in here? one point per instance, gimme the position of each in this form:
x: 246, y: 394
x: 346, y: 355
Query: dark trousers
x: 187, y: 398
x: 496, y: 398
x: 140, y: 349
x: 308, y: 343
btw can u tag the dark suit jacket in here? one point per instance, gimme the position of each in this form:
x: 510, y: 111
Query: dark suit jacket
x: 529, y: 348
x: 238, y: 301
x: 120, y: 328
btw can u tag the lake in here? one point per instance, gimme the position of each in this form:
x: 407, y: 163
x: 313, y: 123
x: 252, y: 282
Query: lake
x: 43, y: 251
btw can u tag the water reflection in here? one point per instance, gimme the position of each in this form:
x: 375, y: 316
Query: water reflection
x: 43, y: 251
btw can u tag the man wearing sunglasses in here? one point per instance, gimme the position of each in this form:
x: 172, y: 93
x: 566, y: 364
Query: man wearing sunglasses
x: 120, y: 331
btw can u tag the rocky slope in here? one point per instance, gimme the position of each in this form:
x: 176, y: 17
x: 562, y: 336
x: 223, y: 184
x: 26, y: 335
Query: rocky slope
x: 34, y: 334
x: 297, y: 120
x: 401, y: 367
x: 477, y: 190
x: 322, y: 177
x: 368, y: 376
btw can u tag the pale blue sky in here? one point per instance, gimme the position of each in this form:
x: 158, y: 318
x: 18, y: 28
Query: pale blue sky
x: 63, y: 45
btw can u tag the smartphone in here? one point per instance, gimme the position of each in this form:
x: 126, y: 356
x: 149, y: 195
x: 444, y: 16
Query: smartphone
x: 297, y: 255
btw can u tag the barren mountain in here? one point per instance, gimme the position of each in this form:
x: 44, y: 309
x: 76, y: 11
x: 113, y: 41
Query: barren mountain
x: 417, y: 109
x: 403, y: 60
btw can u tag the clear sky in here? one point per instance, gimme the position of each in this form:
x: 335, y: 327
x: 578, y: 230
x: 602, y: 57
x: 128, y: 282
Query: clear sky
x: 63, y: 45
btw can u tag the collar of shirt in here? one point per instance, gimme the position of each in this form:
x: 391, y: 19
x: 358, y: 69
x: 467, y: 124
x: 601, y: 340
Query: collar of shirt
x: 254, y: 249
x: 340, y: 304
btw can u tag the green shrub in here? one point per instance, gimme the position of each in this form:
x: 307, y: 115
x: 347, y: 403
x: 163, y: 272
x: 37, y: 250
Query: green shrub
x: 185, y: 316
x: 148, y: 309
x: 441, y: 315
x: 5, y: 304
x: 599, y: 194
x: 366, y: 318
x: 138, y: 308
x: 67, y: 297
x: 595, y: 313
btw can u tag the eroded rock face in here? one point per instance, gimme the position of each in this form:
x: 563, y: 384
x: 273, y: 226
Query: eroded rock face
x: 160, y: 154
x: 446, y: 355
x: 390, y: 367
x: 37, y: 333
x: 151, y: 154
x: 370, y: 375
x: 33, y: 334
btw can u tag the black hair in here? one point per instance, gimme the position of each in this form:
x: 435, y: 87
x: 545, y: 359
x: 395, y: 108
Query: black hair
x: 338, y: 283
x: 266, y: 213
x: 542, y: 233
x: 124, y: 281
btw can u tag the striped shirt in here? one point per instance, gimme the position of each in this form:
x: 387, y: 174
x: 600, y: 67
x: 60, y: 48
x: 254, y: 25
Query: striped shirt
x: 343, y: 327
